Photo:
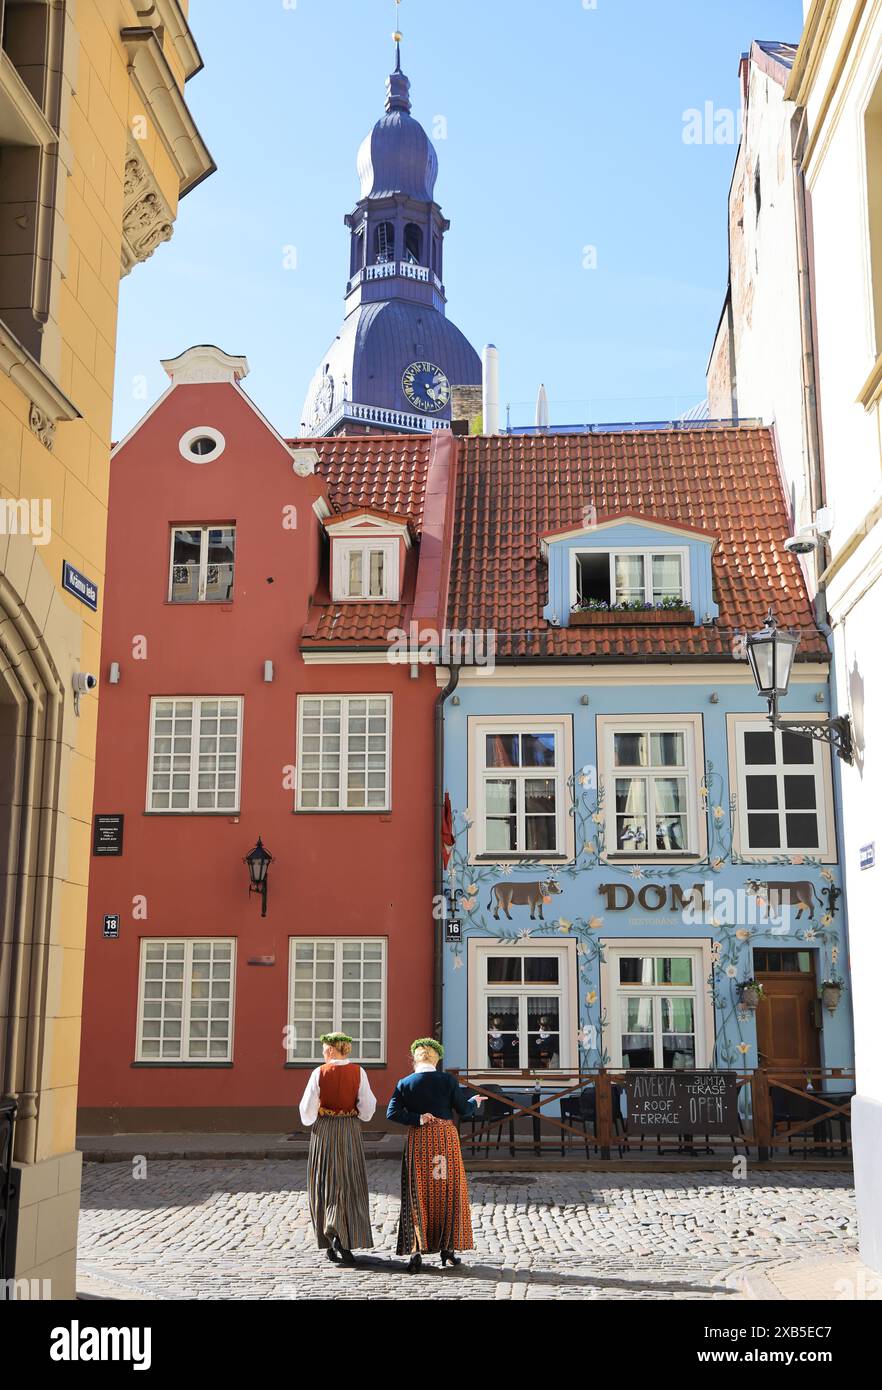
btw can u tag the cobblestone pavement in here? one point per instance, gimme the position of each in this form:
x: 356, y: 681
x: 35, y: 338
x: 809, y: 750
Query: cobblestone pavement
x: 240, y: 1230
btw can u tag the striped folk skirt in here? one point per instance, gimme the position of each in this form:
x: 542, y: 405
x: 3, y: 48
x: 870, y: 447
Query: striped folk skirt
x: 435, y: 1212
x: 337, y: 1182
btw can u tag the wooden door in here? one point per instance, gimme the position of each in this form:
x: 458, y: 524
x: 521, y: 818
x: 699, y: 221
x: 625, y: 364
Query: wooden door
x: 786, y: 1021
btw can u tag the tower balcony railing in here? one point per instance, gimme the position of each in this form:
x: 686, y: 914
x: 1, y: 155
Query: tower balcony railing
x: 385, y: 270
x: 380, y: 415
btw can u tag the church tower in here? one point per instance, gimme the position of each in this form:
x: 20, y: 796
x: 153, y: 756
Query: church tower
x: 397, y: 358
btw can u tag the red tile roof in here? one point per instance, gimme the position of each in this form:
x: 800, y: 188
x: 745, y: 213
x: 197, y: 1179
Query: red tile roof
x: 354, y: 624
x: 408, y: 477
x: 511, y: 490
x: 386, y: 472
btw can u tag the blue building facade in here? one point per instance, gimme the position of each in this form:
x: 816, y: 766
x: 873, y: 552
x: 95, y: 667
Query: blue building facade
x: 633, y: 844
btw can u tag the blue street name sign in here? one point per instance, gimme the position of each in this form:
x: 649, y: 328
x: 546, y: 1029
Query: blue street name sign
x: 86, y: 590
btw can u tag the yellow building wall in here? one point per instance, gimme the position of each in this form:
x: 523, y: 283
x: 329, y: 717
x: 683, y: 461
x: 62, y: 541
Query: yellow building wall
x: 102, y: 113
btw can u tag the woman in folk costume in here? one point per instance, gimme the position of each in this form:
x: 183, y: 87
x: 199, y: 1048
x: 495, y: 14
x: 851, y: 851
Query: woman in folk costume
x: 435, y: 1215
x: 337, y: 1098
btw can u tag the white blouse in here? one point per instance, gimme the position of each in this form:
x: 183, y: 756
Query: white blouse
x: 366, y: 1103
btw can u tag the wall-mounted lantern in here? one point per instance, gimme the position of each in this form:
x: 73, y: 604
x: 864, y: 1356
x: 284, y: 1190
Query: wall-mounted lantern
x: 771, y: 654
x: 258, y: 862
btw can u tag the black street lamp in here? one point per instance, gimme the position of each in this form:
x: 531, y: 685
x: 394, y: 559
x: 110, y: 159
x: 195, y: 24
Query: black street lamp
x: 771, y: 654
x: 258, y: 862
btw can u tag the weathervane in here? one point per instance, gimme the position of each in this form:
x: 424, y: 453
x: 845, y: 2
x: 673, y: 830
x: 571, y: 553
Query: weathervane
x: 397, y: 36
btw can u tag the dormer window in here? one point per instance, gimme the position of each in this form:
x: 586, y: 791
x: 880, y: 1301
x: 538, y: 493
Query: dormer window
x: 614, y: 578
x: 367, y: 555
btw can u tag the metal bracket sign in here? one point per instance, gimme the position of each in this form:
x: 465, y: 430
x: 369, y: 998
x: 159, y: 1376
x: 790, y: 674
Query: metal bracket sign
x: 86, y: 590
x: 453, y: 929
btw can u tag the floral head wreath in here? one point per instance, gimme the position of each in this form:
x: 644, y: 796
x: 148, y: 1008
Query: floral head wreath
x: 334, y: 1039
x: 427, y: 1042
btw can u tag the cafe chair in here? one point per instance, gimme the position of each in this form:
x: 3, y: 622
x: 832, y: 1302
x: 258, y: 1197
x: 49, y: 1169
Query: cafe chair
x: 495, y: 1110
x: 579, y: 1109
x: 789, y: 1109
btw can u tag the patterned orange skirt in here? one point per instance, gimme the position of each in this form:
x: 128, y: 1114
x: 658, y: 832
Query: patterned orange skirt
x: 435, y: 1213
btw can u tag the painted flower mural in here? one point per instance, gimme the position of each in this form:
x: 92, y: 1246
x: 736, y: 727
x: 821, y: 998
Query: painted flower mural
x: 736, y: 926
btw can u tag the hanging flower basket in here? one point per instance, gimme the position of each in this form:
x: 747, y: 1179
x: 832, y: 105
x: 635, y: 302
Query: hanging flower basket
x: 831, y: 993
x: 630, y: 617
x: 750, y: 992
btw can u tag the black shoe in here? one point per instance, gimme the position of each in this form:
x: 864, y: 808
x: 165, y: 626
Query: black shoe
x: 345, y: 1256
x: 448, y: 1258
x: 332, y: 1255
x: 415, y: 1263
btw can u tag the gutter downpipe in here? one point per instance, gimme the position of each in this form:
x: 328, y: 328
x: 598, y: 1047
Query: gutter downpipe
x: 438, y: 961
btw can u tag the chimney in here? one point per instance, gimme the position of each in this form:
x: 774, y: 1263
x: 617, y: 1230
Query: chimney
x: 465, y: 409
x: 491, y: 389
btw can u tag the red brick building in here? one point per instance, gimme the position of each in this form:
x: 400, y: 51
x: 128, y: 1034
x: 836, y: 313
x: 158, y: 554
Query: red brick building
x: 253, y: 588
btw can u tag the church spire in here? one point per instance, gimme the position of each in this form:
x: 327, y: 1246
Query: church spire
x: 397, y: 85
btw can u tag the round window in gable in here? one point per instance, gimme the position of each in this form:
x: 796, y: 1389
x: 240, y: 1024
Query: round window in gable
x: 202, y: 444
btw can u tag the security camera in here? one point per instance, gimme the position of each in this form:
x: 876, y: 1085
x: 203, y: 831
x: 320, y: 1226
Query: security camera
x: 82, y: 681
x: 803, y: 543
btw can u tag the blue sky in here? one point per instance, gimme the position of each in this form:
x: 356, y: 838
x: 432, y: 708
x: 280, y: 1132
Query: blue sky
x: 564, y: 131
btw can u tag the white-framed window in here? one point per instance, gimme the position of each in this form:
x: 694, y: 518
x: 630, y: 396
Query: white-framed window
x: 524, y: 1010
x: 195, y: 753
x: 784, y: 791
x: 625, y: 575
x: 656, y: 995
x: 344, y: 752
x: 650, y: 772
x: 185, y: 999
x: 519, y: 770
x: 365, y: 569
x: 202, y: 564
x: 337, y: 984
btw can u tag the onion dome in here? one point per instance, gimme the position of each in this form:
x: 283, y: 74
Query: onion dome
x: 398, y: 156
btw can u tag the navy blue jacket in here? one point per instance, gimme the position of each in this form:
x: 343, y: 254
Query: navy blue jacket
x: 429, y: 1092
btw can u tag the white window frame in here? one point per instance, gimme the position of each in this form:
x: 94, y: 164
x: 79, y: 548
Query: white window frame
x: 562, y: 728
x: 188, y: 439
x: 338, y: 942
x: 188, y: 943
x: 825, y: 851
x: 204, y: 530
x: 344, y: 754
x: 193, y: 809
x: 612, y: 992
x: 343, y: 548
x: 479, y: 952
x: 646, y: 551
x: 692, y: 728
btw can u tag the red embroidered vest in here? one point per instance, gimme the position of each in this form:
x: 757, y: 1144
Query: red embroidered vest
x: 338, y: 1087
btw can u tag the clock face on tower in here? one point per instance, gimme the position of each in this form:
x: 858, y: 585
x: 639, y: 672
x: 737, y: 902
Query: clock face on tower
x: 425, y: 386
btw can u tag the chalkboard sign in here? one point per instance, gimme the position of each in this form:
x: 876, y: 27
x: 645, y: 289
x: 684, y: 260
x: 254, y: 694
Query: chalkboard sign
x: 682, y: 1102
x: 107, y: 835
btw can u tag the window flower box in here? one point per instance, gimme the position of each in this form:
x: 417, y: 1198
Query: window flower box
x: 630, y: 617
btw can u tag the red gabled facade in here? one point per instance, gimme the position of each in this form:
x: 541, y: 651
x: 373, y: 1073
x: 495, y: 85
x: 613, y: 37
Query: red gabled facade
x: 339, y: 876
